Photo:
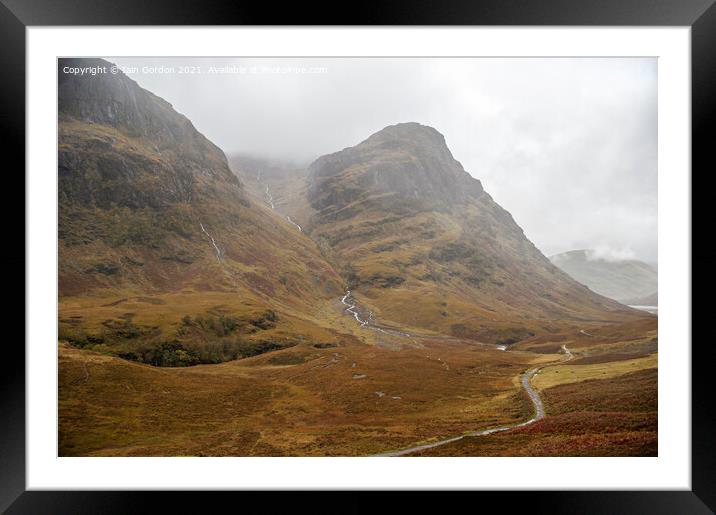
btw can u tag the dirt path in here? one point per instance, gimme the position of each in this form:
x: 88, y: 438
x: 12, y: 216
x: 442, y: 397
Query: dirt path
x: 525, y: 380
x: 534, y: 397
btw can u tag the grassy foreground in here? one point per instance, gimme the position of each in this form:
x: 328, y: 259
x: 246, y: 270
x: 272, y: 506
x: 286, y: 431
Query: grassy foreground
x: 346, y: 397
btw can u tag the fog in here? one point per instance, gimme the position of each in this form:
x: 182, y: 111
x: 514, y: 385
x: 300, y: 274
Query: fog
x: 568, y: 146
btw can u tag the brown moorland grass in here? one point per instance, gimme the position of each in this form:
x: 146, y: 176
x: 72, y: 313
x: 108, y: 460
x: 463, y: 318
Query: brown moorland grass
x: 350, y: 391
x: 353, y: 399
x: 601, y: 417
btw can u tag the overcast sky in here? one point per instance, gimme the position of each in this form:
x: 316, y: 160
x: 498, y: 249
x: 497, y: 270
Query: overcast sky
x: 568, y: 146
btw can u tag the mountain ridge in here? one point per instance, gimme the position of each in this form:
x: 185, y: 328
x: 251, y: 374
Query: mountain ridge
x: 409, y: 161
x: 148, y: 205
x: 400, y: 217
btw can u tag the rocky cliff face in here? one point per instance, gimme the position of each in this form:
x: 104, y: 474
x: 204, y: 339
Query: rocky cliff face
x: 117, y: 100
x: 406, y: 166
x: 419, y: 237
x: 147, y: 203
x: 121, y: 145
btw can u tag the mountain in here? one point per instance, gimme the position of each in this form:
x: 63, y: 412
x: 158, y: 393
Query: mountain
x: 152, y: 220
x: 423, y: 245
x: 628, y: 280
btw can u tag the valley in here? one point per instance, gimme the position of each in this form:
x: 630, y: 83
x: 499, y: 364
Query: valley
x: 375, y: 302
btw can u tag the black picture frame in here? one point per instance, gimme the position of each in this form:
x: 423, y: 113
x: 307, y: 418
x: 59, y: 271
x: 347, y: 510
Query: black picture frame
x: 700, y: 15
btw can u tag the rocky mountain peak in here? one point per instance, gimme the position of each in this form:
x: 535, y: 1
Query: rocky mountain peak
x: 115, y: 100
x: 412, y: 133
x: 122, y: 145
x: 408, y: 161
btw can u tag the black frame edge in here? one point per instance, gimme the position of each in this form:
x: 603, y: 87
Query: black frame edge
x: 371, y: 12
x: 12, y: 134
x: 703, y: 125
x: 699, y: 14
x: 582, y: 503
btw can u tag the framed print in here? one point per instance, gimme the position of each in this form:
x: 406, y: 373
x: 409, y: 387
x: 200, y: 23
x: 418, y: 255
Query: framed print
x: 437, y: 249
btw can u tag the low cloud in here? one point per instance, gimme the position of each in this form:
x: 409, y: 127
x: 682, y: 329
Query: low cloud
x: 567, y: 145
x: 607, y: 253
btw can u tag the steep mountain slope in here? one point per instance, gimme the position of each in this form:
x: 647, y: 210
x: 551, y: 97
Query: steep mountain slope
x: 149, y: 209
x: 627, y: 280
x: 424, y: 245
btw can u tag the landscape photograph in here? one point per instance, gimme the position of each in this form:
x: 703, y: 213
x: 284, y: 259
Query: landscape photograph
x: 360, y: 257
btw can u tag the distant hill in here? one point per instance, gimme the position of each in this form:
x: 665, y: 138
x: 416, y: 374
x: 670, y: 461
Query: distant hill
x: 649, y: 300
x: 628, y: 281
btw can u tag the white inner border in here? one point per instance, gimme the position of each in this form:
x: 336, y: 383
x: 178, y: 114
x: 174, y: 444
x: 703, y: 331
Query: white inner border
x: 672, y: 469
